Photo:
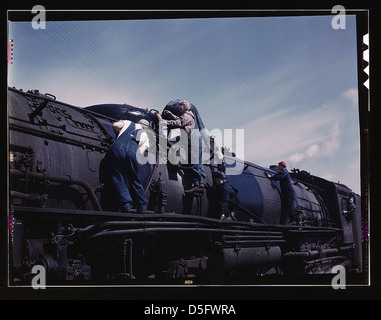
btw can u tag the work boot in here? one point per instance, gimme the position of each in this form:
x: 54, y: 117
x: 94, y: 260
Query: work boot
x: 126, y: 207
x: 141, y: 209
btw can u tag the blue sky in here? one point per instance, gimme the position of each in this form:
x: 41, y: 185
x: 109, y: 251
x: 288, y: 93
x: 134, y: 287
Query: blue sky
x: 289, y: 82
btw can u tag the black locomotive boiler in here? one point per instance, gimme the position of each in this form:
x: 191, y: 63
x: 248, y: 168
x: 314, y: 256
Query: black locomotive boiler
x: 56, y: 220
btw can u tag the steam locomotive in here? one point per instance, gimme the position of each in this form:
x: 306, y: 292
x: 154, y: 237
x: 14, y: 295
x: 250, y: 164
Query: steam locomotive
x: 56, y: 219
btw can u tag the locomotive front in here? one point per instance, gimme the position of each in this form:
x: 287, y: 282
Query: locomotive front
x: 55, y: 150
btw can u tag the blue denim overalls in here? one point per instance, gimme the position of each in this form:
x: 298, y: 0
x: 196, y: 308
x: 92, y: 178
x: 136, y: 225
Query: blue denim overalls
x: 123, y: 170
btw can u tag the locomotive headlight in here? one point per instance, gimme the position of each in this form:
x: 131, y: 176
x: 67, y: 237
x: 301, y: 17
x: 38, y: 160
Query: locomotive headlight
x: 11, y: 157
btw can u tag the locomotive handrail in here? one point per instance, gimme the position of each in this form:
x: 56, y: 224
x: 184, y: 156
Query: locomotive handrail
x: 250, y: 213
x: 67, y: 179
x: 51, y: 95
x: 307, y: 184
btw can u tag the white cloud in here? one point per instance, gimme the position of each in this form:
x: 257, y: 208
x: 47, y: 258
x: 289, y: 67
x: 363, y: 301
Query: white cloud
x: 297, y: 157
x: 312, y: 151
x: 333, y: 144
x: 287, y: 134
x: 326, y: 148
x: 351, y: 95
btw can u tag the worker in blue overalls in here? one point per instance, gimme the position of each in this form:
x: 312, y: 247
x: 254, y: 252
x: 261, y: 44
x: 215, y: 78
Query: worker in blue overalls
x: 121, y: 167
x: 288, y: 192
x: 223, y: 196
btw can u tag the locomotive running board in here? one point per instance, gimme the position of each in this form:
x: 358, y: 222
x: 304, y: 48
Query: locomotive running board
x: 172, y: 217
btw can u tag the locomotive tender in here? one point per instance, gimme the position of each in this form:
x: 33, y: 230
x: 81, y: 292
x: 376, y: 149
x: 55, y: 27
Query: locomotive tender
x: 56, y: 220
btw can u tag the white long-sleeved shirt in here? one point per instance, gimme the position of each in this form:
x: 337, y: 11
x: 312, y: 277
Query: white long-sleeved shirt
x: 141, y: 136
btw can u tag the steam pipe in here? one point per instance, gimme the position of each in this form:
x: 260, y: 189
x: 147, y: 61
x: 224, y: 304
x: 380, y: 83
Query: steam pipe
x: 196, y: 225
x: 308, y: 254
x: 67, y: 180
x: 26, y: 196
x: 168, y: 229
